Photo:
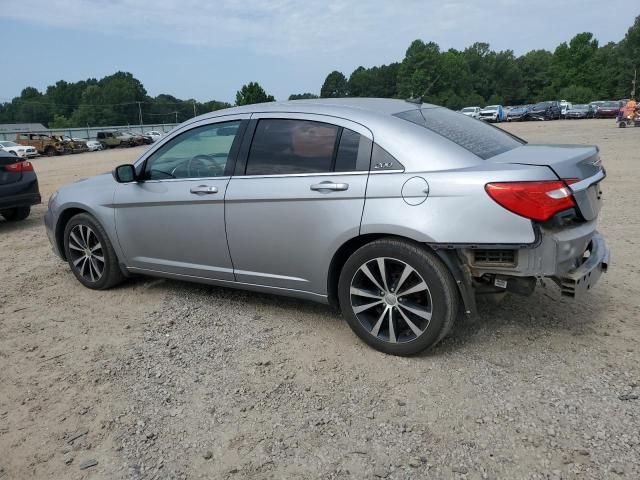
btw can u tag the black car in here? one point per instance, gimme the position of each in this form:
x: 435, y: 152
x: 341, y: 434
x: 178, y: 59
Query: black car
x: 18, y: 187
x: 545, y: 111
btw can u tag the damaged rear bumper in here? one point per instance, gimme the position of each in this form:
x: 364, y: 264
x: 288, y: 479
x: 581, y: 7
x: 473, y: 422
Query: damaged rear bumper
x: 576, y: 282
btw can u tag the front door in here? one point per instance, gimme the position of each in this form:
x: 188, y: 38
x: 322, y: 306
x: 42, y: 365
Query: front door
x: 298, y: 193
x: 173, y: 219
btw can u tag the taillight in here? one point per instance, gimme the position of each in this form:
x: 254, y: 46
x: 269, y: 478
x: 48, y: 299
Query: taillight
x: 534, y: 200
x: 19, y: 167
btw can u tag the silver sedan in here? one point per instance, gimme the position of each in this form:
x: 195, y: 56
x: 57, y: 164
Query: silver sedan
x: 398, y: 213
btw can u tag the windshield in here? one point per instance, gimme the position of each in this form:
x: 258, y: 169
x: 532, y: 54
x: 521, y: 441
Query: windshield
x: 479, y: 138
x: 580, y: 107
x: 542, y: 105
x: 491, y: 107
x: 469, y: 109
x: 610, y: 104
x: 8, y: 144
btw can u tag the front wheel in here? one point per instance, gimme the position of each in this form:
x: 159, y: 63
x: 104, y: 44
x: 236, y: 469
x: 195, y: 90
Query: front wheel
x: 90, y: 254
x: 397, y: 296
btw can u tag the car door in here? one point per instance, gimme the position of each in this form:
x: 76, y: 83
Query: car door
x: 172, y: 220
x: 297, y: 194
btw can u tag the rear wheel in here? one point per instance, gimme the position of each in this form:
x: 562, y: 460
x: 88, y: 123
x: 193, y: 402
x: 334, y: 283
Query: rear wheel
x: 397, y: 296
x: 90, y: 253
x: 50, y: 152
x: 16, y: 214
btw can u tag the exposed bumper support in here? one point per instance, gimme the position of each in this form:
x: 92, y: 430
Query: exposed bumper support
x: 577, y: 281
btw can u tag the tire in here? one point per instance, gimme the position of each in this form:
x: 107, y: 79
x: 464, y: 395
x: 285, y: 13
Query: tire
x: 430, y: 311
x: 89, y: 236
x: 50, y: 152
x: 16, y: 214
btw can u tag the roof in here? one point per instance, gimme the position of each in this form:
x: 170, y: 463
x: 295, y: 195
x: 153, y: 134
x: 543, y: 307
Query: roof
x: 22, y: 127
x: 353, y: 108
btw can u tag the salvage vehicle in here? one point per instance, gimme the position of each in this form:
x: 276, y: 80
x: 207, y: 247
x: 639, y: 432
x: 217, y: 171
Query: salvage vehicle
x: 608, y: 110
x: 23, y: 151
x: 155, y: 135
x: 580, y: 111
x: 518, y: 113
x: 44, y: 143
x: 94, y: 145
x: 493, y: 113
x: 549, y: 110
x: 473, y: 112
x: 397, y: 212
x: 115, y: 139
x: 18, y: 187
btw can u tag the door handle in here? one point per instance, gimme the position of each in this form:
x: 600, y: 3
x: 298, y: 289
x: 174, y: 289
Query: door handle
x: 204, y: 190
x: 330, y: 186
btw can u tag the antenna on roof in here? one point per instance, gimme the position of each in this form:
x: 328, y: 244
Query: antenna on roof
x: 417, y: 101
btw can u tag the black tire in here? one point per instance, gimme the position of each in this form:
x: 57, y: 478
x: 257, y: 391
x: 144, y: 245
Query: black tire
x: 50, y: 152
x: 16, y: 214
x: 441, y: 298
x: 111, y: 273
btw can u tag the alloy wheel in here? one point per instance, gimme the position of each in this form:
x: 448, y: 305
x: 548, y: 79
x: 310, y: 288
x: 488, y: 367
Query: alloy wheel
x: 87, y: 255
x: 391, y: 300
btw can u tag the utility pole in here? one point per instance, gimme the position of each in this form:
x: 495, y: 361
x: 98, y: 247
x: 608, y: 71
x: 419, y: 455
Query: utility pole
x: 194, y: 109
x: 140, y: 112
x: 633, y: 89
x: 176, y: 116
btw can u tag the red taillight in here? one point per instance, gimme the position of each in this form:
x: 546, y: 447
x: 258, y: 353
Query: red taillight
x: 19, y: 167
x: 534, y: 200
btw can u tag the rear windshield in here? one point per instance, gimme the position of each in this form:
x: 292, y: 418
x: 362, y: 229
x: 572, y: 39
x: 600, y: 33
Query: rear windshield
x: 478, y: 137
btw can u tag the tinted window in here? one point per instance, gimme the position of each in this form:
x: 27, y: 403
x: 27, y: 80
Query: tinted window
x: 479, y: 138
x: 198, y: 153
x: 347, y: 156
x: 283, y: 147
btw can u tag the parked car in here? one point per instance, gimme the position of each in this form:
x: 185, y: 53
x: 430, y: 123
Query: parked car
x: 493, y: 113
x: 549, y: 110
x: 18, y: 187
x: 580, y: 111
x: 44, y: 144
x: 595, y: 105
x: 155, y: 135
x: 140, y: 138
x: 564, y: 108
x: 71, y: 145
x: 473, y: 112
x: 115, y: 139
x: 94, y: 145
x: 454, y: 208
x: 518, y: 113
x: 608, y: 110
x: 23, y: 151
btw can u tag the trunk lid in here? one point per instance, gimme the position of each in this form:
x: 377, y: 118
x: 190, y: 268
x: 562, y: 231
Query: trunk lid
x: 579, y: 162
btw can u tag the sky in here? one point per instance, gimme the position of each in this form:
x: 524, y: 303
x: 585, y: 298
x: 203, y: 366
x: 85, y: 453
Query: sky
x: 208, y: 50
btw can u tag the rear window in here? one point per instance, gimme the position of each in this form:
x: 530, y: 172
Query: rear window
x: 478, y: 137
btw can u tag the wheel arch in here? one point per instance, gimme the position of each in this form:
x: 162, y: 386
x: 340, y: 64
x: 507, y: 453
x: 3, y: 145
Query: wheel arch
x: 63, y: 219
x: 448, y: 258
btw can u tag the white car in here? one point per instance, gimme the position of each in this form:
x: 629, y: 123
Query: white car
x: 94, y: 145
x: 23, y: 151
x: 564, y: 108
x: 473, y: 112
x: 155, y: 135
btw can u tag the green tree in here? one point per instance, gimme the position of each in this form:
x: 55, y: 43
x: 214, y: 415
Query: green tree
x: 303, y: 96
x: 252, y: 93
x: 335, y: 85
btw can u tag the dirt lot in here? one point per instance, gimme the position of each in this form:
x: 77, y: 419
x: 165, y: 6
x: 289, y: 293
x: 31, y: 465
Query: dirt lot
x: 160, y: 379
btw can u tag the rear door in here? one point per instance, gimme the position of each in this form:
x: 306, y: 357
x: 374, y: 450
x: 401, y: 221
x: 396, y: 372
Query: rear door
x: 297, y: 194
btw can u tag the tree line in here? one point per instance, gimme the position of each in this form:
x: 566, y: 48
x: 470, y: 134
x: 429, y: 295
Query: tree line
x: 581, y: 70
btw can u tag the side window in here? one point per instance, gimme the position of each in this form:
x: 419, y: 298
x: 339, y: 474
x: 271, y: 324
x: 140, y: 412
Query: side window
x: 201, y: 152
x: 282, y: 146
x: 285, y: 147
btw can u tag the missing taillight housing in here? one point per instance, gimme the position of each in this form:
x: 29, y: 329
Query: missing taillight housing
x: 19, y: 167
x: 537, y: 200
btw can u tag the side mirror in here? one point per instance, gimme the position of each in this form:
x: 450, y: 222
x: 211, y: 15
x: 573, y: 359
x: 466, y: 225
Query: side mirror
x: 124, y: 173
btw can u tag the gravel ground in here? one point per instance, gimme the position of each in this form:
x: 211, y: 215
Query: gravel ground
x: 161, y: 379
